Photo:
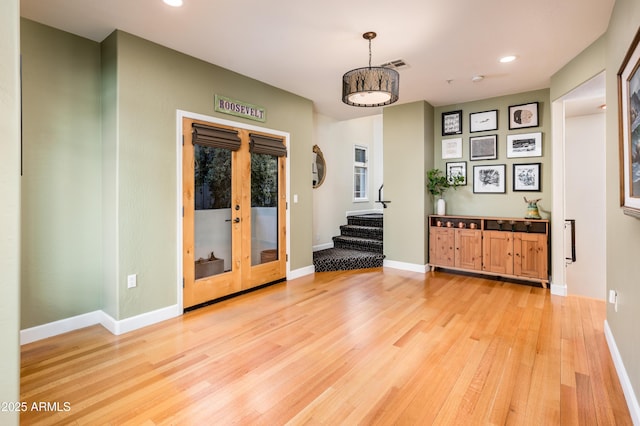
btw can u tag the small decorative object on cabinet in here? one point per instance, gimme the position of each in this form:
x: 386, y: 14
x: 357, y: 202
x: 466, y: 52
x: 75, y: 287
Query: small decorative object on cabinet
x: 438, y: 183
x: 508, y: 247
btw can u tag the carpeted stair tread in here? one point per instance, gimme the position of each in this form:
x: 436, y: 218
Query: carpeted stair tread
x: 338, y: 259
x: 372, y: 232
x: 357, y: 243
x: 371, y: 219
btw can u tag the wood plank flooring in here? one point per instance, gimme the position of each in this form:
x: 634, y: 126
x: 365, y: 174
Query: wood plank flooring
x: 379, y: 346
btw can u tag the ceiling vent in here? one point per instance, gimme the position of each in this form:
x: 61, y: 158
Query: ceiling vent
x: 397, y: 64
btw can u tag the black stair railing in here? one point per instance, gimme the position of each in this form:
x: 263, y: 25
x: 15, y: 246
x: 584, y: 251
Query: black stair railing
x: 379, y: 200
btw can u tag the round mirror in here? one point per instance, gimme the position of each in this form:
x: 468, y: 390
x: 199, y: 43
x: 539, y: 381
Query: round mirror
x: 318, y: 167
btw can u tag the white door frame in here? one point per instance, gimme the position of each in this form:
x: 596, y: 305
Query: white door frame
x: 558, y: 283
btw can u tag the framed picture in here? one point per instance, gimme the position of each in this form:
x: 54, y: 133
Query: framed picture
x: 483, y: 147
x: 452, y: 123
x: 483, y: 121
x: 526, y: 177
x: 525, y: 115
x: 457, y: 169
x: 629, y: 125
x: 524, y: 145
x: 489, y: 179
x: 452, y: 148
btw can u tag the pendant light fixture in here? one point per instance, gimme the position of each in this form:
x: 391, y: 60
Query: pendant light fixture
x: 370, y: 86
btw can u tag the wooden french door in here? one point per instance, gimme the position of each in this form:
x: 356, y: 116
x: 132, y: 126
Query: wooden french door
x: 234, y: 202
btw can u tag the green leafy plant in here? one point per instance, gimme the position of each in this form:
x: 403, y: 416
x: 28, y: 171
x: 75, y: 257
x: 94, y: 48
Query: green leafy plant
x: 438, y: 183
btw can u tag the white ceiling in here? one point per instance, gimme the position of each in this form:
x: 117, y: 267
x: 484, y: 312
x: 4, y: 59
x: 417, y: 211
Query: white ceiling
x: 304, y: 47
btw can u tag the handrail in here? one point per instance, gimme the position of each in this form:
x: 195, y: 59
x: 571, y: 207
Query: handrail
x: 379, y: 200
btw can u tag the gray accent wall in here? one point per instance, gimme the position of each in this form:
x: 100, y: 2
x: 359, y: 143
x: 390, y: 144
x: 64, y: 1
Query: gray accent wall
x: 10, y: 207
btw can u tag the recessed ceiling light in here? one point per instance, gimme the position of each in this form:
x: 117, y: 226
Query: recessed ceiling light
x: 506, y: 59
x: 477, y: 78
x: 174, y: 3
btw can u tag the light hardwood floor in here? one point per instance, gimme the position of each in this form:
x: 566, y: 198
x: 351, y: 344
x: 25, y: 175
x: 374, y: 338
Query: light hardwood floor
x: 379, y: 346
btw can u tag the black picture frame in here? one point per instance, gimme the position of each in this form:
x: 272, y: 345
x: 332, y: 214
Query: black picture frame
x: 527, y: 177
x: 457, y: 168
x: 489, y: 179
x: 452, y: 123
x: 524, y: 115
x: 483, y: 121
x: 483, y: 147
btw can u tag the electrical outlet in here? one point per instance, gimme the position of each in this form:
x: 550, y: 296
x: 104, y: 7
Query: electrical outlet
x: 132, y: 280
x: 613, y: 298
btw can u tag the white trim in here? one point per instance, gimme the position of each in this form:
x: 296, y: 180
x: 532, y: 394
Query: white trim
x: 558, y: 290
x: 323, y: 246
x: 405, y: 266
x: 297, y: 273
x: 51, y: 329
x: 180, y: 114
x: 139, y: 321
x: 627, y: 388
x: 359, y: 212
x: 77, y: 322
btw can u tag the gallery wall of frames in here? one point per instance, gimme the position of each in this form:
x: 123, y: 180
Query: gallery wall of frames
x: 486, y: 170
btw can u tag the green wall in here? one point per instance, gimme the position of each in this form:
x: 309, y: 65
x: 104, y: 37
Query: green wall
x: 622, y: 232
x: 408, y: 154
x: 463, y: 201
x: 99, y: 197
x: 61, y: 201
x: 145, y: 201
x: 10, y: 207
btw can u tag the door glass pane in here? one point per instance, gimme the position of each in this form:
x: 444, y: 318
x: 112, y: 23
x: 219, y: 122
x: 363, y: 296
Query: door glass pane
x: 212, y: 216
x: 264, y: 208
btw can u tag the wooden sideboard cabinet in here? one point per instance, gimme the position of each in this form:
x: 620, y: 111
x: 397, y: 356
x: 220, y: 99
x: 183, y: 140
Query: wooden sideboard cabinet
x: 509, y: 247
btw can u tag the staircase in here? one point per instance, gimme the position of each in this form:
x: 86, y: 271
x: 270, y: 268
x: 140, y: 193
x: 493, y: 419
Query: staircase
x: 358, y: 246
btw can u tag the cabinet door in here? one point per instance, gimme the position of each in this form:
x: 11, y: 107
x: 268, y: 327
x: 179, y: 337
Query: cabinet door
x: 497, y: 252
x: 530, y: 255
x: 468, y: 245
x: 441, y: 241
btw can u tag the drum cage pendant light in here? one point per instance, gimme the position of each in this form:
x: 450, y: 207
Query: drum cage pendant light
x: 370, y: 86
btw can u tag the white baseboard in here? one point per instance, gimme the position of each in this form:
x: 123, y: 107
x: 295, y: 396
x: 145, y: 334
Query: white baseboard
x: 297, y: 273
x: 627, y: 388
x: 133, y: 323
x: 322, y: 246
x: 77, y: 322
x: 558, y: 290
x: 405, y: 266
x: 358, y: 212
x: 51, y: 329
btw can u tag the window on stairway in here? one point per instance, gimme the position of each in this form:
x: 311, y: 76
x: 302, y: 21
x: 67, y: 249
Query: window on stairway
x: 360, y: 173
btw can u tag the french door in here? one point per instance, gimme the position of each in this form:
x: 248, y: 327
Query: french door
x: 234, y: 202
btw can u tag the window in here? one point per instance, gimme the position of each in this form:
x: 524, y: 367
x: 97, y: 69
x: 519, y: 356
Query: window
x: 360, y: 174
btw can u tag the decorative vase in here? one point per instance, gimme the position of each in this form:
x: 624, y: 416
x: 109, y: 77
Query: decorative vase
x: 441, y: 207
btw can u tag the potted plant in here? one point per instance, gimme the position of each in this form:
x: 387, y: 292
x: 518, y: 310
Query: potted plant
x: 437, y: 185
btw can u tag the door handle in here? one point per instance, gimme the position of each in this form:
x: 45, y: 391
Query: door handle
x: 236, y: 220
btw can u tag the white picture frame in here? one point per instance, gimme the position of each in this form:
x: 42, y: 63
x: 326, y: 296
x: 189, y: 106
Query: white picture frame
x: 451, y: 148
x: 524, y: 145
